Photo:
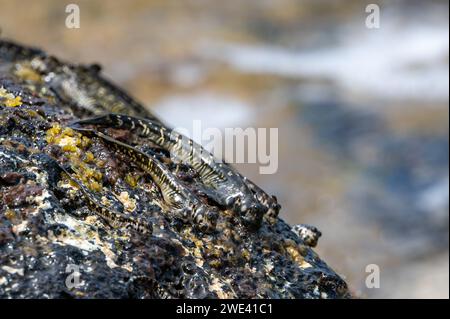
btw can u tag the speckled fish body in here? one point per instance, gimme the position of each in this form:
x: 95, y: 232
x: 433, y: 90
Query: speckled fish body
x: 114, y: 218
x: 231, y: 189
x: 88, y: 90
x: 81, y: 86
x: 179, y: 198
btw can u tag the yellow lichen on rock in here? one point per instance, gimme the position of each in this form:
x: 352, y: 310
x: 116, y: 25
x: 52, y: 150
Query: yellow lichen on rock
x: 27, y: 73
x: 131, y: 180
x: 9, y: 99
x: 89, y: 157
x: 74, y: 146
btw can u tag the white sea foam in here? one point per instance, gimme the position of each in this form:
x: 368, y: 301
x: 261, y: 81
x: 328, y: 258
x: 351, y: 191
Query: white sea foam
x: 406, y: 61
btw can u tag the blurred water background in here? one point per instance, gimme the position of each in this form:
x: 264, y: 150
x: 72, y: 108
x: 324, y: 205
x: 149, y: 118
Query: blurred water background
x: 363, y: 114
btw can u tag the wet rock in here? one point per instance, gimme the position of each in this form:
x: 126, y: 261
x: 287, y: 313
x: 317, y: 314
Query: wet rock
x: 53, y: 242
x: 10, y: 178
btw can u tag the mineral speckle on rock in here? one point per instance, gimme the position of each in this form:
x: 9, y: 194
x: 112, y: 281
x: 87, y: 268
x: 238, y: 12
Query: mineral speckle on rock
x: 53, y: 244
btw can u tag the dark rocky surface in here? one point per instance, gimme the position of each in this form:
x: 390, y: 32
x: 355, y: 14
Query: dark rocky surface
x: 47, y: 228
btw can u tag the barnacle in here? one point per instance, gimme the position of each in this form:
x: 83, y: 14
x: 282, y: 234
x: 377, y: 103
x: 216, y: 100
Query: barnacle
x: 128, y: 202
